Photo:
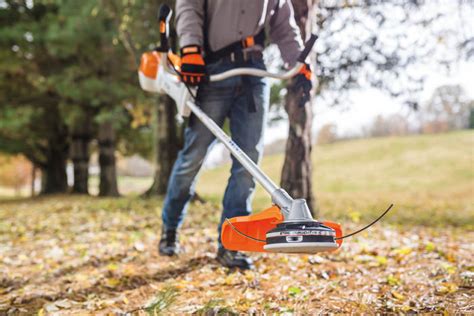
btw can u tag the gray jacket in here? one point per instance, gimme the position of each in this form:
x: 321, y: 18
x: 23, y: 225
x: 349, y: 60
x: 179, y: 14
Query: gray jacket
x: 230, y: 21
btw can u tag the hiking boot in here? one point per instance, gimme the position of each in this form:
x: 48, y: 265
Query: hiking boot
x: 234, y: 259
x: 169, y: 243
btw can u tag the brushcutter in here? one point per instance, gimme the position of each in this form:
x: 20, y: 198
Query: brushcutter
x: 287, y: 226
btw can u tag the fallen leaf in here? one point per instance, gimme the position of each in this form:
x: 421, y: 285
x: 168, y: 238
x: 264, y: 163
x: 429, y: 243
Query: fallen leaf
x: 51, y: 307
x: 448, y: 268
x: 355, y: 216
x: 112, y: 266
x: 430, y: 247
x: 231, y: 279
x: 112, y: 282
x: 381, y: 260
x: 402, y: 252
x: 398, y: 295
x: 64, y: 304
x: 293, y: 290
x: 392, y: 280
x: 446, y: 288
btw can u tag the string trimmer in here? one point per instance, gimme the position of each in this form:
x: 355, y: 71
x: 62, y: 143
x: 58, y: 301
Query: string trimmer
x: 288, y: 225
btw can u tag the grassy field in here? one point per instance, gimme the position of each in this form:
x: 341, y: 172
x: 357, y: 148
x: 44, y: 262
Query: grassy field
x: 430, y: 176
x: 87, y: 255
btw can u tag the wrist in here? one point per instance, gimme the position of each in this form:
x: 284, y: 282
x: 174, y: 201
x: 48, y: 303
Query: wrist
x: 306, y: 71
x: 191, y: 50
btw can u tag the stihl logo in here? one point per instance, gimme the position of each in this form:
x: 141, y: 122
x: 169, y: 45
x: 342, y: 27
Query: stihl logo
x: 308, y: 233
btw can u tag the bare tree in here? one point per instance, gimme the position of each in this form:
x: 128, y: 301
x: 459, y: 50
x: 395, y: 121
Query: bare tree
x: 296, y: 177
x: 81, y: 136
x: 327, y: 134
x: 107, y: 161
x: 166, y: 144
x: 448, y: 109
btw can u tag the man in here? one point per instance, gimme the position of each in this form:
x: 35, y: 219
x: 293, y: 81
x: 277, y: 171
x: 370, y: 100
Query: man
x: 216, y: 36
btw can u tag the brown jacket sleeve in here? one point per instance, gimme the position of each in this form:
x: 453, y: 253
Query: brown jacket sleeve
x: 285, y: 33
x: 189, y: 22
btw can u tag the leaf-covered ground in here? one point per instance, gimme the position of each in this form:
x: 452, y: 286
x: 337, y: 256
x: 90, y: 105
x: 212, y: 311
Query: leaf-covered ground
x: 63, y: 254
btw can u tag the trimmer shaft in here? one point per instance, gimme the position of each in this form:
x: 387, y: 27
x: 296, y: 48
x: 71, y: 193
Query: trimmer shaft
x: 301, y: 237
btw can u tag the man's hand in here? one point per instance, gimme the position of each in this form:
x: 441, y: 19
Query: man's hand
x: 193, y: 69
x: 303, y: 85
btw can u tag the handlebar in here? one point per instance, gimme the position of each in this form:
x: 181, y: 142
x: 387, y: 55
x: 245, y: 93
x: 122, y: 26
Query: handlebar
x: 257, y: 73
x: 244, y: 71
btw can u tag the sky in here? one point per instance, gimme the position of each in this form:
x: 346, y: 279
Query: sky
x: 368, y: 103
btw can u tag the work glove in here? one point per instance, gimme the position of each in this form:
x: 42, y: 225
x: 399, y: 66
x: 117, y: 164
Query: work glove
x: 302, y: 84
x: 193, y: 68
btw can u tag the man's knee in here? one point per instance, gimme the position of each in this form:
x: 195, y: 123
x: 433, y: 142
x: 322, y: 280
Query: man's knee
x: 190, y: 161
x: 191, y: 157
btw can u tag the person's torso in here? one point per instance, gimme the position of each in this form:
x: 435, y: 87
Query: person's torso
x: 230, y: 21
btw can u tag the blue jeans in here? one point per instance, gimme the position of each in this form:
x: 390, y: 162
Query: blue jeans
x: 220, y: 100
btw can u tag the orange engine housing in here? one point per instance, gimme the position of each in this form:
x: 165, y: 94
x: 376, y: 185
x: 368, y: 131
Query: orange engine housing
x: 151, y: 60
x: 149, y: 64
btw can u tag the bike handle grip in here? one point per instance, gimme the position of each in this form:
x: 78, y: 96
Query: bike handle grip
x: 307, y: 48
x: 164, y: 17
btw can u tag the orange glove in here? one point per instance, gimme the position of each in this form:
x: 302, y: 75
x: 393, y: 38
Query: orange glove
x: 306, y: 71
x: 302, y: 84
x: 193, y: 68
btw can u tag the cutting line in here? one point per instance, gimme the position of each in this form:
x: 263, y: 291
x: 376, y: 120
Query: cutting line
x: 364, y: 228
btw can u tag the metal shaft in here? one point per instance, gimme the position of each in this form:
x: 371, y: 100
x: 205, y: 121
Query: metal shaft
x: 246, y: 162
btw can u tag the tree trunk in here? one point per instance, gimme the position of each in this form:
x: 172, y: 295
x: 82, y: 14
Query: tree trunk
x: 296, y: 176
x: 297, y: 168
x: 108, y: 173
x: 81, y: 137
x: 167, y: 144
x: 54, y: 177
x: 33, y: 179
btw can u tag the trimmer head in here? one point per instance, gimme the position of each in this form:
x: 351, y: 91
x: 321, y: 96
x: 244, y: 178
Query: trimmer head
x: 301, y: 237
x: 268, y: 231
